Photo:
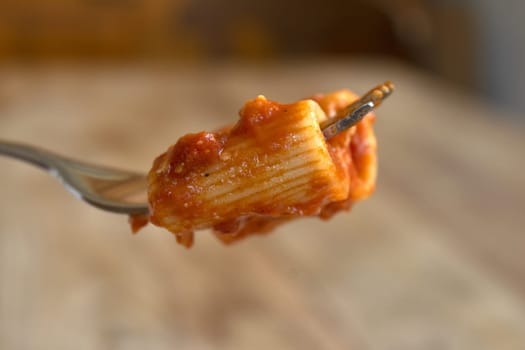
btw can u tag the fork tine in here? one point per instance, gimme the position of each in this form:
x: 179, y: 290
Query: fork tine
x: 357, y: 110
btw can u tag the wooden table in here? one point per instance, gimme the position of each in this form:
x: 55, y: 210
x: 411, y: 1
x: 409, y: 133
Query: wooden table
x: 435, y: 260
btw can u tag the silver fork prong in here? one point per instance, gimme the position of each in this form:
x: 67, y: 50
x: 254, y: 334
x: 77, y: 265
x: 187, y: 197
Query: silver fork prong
x: 348, y: 121
x: 357, y: 110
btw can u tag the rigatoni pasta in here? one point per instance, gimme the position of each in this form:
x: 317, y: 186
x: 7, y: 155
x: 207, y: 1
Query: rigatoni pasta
x: 273, y: 165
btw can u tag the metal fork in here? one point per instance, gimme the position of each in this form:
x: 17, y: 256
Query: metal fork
x: 110, y: 189
x: 125, y: 192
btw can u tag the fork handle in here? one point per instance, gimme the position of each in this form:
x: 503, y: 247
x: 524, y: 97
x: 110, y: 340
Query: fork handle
x: 36, y: 156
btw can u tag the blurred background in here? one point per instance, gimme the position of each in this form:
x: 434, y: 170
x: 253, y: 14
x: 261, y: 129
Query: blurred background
x: 478, y: 45
x: 433, y: 260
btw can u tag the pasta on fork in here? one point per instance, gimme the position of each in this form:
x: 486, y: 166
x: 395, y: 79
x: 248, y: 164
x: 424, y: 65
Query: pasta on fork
x: 272, y: 166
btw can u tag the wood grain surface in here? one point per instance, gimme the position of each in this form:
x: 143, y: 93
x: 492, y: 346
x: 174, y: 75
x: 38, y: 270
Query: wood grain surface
x: 434, y: 260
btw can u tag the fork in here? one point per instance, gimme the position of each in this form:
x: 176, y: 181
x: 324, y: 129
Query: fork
x: 109, y: 189
x: 125, y: 192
